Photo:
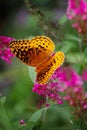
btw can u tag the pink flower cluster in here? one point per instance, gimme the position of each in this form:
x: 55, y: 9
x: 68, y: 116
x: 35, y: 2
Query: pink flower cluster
x: 84, y: 75
x: 5, y: 52
x: 77, y: 11
x: 69, y: 77
x: 50, y: 89
x: 72, y: 85
x: 68, y: 82
x: 61, y: 80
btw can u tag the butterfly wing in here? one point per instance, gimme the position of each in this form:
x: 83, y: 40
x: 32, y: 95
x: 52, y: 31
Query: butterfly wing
x: 49, y: 67
x: 23, y: 49
x: 34, y: 51
x: 44, y: 47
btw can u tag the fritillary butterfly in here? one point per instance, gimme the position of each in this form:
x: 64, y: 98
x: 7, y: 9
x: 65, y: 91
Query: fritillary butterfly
x: 38, y: 52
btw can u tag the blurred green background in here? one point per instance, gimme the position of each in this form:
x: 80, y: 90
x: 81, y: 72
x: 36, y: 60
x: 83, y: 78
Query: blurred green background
x: 15, y: 83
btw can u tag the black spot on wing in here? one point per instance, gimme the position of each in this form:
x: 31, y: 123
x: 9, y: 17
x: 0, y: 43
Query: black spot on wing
x: 38, y: 51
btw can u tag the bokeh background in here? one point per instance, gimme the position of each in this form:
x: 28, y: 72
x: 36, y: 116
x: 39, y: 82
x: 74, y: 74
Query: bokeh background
x: 15, y: 82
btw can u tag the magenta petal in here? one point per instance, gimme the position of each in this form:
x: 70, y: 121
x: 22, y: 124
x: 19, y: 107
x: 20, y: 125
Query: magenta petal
x: 84, y: 75
x: 5, y: 52
x: 77, y: 11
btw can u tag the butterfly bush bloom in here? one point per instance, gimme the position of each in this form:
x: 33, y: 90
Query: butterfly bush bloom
x: 5, y: 52
x: 22, y: 122
x: 71, y: 84
x: 69, y: 79
x: 77, y: 12
x: 51, y: 89
x: 61, y: 80
x: 84, y: 75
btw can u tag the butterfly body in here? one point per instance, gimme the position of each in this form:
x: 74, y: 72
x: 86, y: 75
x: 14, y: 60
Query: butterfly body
x: 38, y: 52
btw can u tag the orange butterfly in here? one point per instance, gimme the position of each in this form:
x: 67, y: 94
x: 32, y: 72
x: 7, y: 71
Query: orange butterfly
x: 38, y: 52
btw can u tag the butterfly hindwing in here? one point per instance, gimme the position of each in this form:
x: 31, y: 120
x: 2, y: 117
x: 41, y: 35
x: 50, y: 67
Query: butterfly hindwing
x: 56, y: 61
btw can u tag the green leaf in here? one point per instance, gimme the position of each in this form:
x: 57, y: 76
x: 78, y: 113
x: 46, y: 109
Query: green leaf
x: 32, y: 73
x: 30, y: 126
x: 35, y: 117
x: 72, y: 37
x: 2, y: 100
x: 85, y: 51
x: 67, y: 46
x: 80, y: 124
x: 75, y: 58
x: 63, y: 20
x: 33, y: 125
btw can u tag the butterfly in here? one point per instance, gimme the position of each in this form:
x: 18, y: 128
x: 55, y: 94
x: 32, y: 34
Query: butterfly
x: 38, y: 52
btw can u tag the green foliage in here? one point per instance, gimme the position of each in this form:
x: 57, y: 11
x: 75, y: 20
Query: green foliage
x: 80, y: 124
x: 32, y: 73
x: 63, y: 20
x: 35, y: 117
x: 67, y: 45
x: 2, y: 100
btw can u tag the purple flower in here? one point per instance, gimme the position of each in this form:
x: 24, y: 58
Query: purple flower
x: 71, y: 78
x: 68, y: 82
x: 51, y: 89
x: 22, y: 122
x: 5, y: 52
x: 61, y: 81
x: 84, y: 75
x: 71, y: 85
x: 77, y: 11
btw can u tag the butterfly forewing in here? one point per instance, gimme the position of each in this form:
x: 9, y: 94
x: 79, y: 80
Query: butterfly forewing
x: 34, y: 51
x: 24, y: 50
x: 44, y: 48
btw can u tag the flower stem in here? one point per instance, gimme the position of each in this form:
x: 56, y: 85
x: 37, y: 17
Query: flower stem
x: 45, y: 109
x: 80, y: 49
x: 4, y: 118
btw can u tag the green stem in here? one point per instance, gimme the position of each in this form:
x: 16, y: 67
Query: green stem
x: 80, y: 48
x: 4, y: 118
x: 45, y: 109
